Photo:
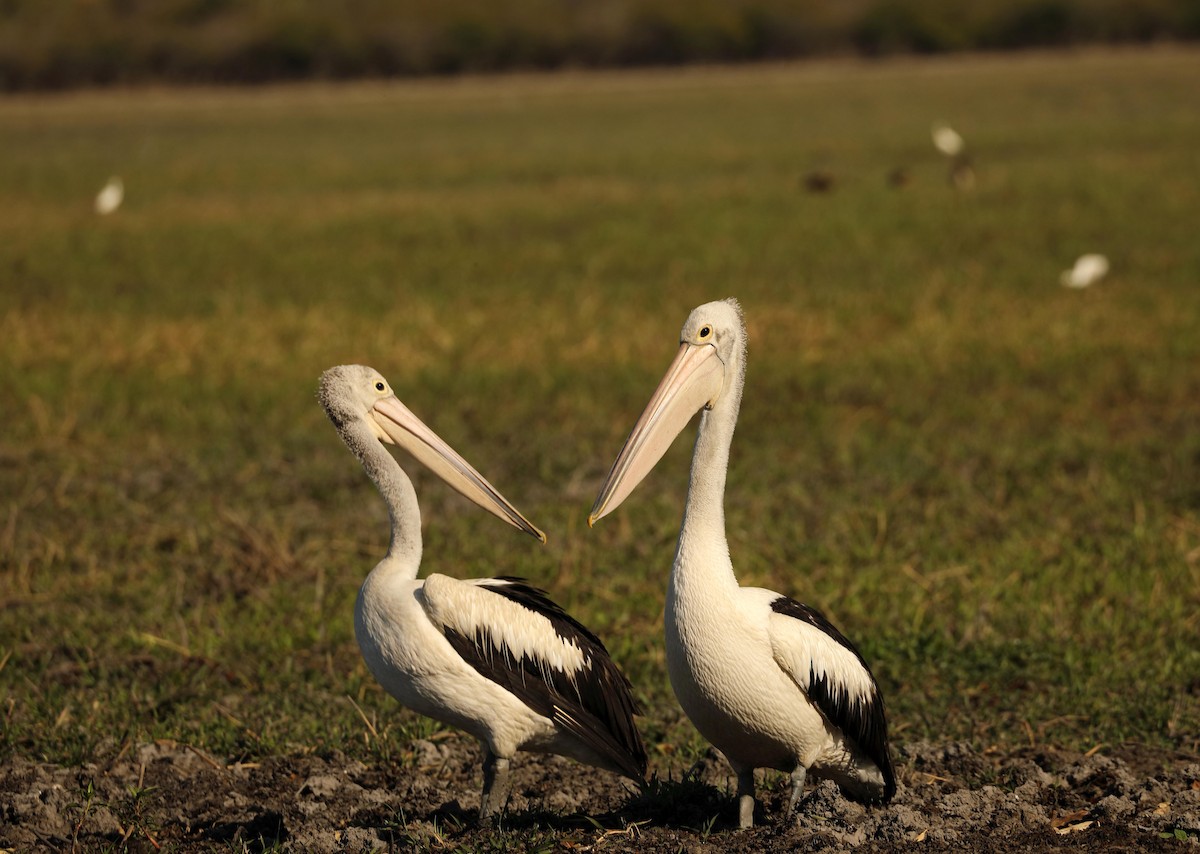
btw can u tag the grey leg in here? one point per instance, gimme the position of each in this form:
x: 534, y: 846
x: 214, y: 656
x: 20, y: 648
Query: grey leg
x: 745, y: 790
x: 797, y: 787
x: 495, y: 786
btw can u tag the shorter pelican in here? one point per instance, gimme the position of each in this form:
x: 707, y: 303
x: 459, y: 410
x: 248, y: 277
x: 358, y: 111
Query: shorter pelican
x: 492, y: 656
x: 110, y: 197
x: 1088, y: 270
x: 769, y: 681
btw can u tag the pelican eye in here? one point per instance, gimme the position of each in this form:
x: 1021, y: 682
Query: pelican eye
x: 380, y: 386
x: 705, y: 331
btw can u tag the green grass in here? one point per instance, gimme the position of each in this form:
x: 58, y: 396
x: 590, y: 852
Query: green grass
x: 991, y: 483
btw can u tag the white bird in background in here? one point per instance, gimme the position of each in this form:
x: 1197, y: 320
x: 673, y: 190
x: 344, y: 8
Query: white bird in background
x: 110, y: 197
x: 947, y: 140
x: 1088, y: 270
x: 768, y: 680
x: 492, y: 656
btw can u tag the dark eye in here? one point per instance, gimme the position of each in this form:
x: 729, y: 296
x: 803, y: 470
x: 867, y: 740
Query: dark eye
x: 379, y: 386
x: 705, y: 331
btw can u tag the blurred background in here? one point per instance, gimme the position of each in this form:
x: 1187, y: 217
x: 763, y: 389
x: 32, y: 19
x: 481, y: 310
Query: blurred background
x: 970, y: 276
x: 65, y: 43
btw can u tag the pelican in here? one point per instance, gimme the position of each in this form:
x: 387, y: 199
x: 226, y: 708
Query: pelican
x: 1087, y: 270
x: 767, y: 680
x: 492, y: 656
x: 110, y: 196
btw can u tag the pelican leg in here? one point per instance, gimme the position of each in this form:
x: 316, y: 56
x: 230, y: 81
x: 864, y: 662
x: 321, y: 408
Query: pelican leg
x: 797, y: 787
x: 745, y: 790
x: 495, y: 786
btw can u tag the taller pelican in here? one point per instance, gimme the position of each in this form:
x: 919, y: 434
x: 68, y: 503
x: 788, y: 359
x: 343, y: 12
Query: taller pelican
x: 492, y: 656
x: 767, y: 680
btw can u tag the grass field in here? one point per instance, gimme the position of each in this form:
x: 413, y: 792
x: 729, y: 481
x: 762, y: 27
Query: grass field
x: 990, y: 482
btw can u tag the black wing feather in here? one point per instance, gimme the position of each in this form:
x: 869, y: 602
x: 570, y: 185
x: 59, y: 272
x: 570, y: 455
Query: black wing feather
x: 597, y: 705
x: 861, y: 719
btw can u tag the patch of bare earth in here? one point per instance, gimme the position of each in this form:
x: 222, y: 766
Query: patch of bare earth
x: 166, y: 796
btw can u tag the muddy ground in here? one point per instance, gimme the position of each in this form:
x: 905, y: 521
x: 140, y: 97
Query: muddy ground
x: 171, y: 797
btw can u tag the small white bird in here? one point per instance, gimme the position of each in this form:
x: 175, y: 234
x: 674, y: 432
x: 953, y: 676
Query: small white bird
x: 1088, y: 270
x: 947, y: 140
x: 110, y: 197
x: 492, y: 656
x: 767, y: 680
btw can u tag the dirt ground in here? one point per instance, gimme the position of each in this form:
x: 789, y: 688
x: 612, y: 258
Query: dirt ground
x: 166, y: 796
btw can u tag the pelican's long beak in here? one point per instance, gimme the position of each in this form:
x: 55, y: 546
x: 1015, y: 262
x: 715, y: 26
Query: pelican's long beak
x: 393, y: 422
x: 691, y: 383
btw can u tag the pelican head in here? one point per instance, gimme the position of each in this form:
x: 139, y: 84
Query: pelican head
x: 707, y: 371
x: 356, y: 393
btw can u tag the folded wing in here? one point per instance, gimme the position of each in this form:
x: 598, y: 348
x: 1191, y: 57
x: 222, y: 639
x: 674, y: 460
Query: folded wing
x: 832, y: 673
x: 515, y: 635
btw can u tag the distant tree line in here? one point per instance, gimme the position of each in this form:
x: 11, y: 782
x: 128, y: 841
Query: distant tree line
x: 46, y: 44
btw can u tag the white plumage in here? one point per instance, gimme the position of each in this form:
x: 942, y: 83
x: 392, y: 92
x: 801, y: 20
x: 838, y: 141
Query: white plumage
x: 492, y: 656
x: 1087, y: 270
x: 523, y: 633
x: 766, y: 679
x: 947, y: 140
x: 950, y: 143
x: 110, y: 196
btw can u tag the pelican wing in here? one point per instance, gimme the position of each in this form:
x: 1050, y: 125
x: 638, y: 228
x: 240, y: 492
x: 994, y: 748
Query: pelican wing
x: 515, y: 635
x: 832, y: 673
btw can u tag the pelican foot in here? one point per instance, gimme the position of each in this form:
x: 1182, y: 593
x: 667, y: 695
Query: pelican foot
x: 798, y: 777
x: 495, y: 788
x: 745, y: 790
